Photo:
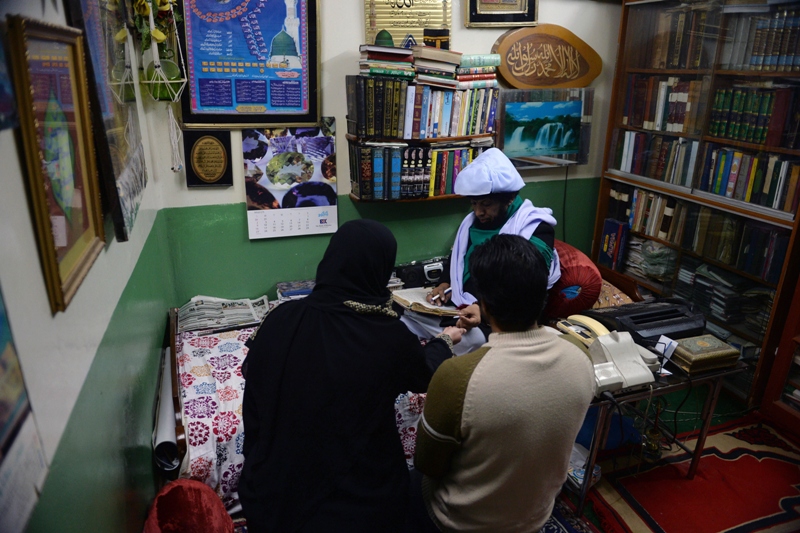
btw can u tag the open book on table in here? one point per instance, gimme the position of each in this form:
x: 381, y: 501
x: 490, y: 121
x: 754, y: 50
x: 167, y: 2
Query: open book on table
x: 414, y: 299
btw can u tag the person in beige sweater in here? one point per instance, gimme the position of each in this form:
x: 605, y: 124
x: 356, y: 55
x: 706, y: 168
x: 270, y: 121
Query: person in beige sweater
x: 498, y: 425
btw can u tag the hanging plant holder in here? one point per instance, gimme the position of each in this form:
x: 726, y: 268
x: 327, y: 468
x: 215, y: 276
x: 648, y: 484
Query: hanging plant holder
x: 164, y: 78
x: 122, y: 80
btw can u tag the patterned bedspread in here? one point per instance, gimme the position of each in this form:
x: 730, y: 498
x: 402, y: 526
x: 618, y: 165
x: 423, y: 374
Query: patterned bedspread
x: 212, y: 389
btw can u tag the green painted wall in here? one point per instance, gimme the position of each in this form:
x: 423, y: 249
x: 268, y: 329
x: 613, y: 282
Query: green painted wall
x: 101, y: 478
x: 213, y: 255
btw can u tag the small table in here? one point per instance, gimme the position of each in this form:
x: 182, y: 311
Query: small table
x: 663, y: 385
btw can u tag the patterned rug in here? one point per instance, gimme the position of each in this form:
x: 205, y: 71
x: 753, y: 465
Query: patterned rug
x: 563, y: 520
x: 748, y: 480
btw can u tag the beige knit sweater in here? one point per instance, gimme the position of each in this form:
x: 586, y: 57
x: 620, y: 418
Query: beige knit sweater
x: 497, y: 431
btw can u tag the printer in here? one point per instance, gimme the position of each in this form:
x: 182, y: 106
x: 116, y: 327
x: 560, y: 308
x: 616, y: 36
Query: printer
x: 647, y: 321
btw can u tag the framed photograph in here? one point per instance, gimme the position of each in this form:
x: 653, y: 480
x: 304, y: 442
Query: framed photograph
x: 115, y: 119
x: 545, y: 125
x: 500, y: 13
x: 251, y: 64
x: 50, y: 80
x: 405, y: 23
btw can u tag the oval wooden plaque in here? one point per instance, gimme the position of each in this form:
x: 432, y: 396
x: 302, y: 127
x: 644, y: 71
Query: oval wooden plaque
x: 546, y: 56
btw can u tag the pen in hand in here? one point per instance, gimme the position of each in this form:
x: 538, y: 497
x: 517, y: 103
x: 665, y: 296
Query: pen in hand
x: 446, y: 291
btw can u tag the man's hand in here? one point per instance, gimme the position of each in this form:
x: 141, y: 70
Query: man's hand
x: 470, y: 317
x: 439, y: 291
x: 454, y: 333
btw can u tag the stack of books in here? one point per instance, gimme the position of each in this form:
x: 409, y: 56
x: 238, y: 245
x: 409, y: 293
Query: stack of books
x: 386, y: 61
x: 704, y: 353
x: 435, y: 66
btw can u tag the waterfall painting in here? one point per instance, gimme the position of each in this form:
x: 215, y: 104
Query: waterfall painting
x: 542, y: 128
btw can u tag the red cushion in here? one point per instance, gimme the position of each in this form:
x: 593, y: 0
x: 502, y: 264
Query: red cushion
x: 187, y: 506
x: 579, y: 285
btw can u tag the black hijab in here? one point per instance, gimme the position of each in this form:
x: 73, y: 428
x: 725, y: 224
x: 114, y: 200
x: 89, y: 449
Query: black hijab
x: 321, y: 445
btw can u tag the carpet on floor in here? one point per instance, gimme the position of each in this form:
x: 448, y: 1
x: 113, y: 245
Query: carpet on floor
x: 748, y: 480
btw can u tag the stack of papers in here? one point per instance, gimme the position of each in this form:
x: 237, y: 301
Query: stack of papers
x: 294, y: 290
x: 208, y: 312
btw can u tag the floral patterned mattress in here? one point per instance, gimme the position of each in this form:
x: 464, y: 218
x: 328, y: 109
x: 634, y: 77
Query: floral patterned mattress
x: 212, y: 389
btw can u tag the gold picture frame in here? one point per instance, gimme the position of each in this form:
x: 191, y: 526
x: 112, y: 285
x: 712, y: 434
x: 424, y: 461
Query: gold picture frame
x: 50, y: 81
x: 500, y: 13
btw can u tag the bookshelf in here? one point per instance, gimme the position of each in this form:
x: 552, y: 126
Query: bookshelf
x: 701, y: 179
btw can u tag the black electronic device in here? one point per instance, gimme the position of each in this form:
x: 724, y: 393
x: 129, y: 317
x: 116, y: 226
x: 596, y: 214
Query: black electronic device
x: 421, y: 273
x: 647, y: 321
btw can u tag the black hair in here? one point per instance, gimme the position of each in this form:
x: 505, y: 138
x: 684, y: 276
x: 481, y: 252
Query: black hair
x: 511, y: 276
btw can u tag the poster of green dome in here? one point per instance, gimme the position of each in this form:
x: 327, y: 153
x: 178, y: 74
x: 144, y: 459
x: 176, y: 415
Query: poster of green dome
x: 253, y: 61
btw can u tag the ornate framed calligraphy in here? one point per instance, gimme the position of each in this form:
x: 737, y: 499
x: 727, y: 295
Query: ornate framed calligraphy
x: 51, y: 83
x: 546, y: 57
x: 408, y: 22
x: 208, y: 158
x: 251, y: 63
x: 500, y: 13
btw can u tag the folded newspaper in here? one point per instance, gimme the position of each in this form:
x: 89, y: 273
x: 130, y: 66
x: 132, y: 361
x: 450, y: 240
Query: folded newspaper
x: 208, y: 312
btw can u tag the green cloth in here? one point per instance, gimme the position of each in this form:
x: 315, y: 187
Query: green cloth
x: 479, y: 236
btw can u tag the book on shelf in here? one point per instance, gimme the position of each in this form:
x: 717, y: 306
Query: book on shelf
x: 479, y: 60
x: 438, y: 54
x: 391, y: 51
x: 461, y: 71
x: 612, y: 243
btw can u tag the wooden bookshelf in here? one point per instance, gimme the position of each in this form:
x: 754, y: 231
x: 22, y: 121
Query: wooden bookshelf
x: 691, y: 102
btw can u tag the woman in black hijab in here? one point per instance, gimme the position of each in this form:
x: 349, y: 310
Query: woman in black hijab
x: 322, y: 451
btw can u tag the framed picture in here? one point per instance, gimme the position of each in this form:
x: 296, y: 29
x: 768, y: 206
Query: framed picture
x: 405, y: 23
x: 500, y: 13
x: 545, y: 125
x: 8, y: 107
x: 251, y: 64
x: 115, y: 119
x: 51, y: 83
x: 208, y: 158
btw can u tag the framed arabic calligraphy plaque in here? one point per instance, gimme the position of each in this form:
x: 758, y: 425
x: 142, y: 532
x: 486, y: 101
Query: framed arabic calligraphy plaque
x: 407, y: 20
x: 547, y: 56
x: 251, y: 63
x: 500, y: 13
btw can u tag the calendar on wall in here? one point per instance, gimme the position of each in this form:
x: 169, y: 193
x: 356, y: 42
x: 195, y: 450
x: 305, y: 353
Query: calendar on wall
x: 292, y: 222
x: 290, y: 180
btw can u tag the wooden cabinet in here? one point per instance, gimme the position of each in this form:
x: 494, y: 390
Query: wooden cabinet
x: 701, y: 175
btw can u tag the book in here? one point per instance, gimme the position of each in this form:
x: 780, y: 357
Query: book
x: 477, y: 84
x: 378, y: 168
x: 415, y: 299
x: 479, y: 60
x: 438, y: 54
x: 365, y: 173
x: 395, y: 169
x: 703, y: 353
x: 393, y: 51
x: 425, y: 105
x: 410, y: 112
x: 733, y: 175
x: 460, y: 71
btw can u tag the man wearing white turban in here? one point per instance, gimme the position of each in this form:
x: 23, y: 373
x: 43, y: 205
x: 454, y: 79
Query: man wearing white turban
x: 492, y: 184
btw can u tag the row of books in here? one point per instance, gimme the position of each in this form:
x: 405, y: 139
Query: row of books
x: 679, y: 38
x: 664, y: 103
x: 396, y: 171
x: 767, y: 42
x: 747, y: 245
x: 659, y: 157
x: 386, y: 107
x: 757, y: 115
x: 770, y: 180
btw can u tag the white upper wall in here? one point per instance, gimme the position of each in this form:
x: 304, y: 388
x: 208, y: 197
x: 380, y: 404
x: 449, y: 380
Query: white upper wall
x: 342, y: 21
x: 57, y: 351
